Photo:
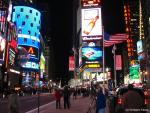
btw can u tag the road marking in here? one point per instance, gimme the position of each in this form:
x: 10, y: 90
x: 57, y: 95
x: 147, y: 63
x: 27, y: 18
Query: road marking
x: 41, y: 107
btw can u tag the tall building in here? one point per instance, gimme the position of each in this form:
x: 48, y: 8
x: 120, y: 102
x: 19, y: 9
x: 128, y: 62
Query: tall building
x: 146, y: 23
x: 133, y: 16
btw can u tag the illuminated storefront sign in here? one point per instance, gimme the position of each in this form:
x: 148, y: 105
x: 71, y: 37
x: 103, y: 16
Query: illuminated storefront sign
x: 91, y: 24
x: 32, y: 65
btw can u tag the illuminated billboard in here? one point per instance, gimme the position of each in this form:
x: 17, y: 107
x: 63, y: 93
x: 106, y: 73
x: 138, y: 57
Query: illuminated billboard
x: 42, y: 63
x: 3, y: 14
x: 32, y: 51
x: 28, y: 23
x: 31, y: 65
x: 92, y: 53
x: 71, y: 63
x: 90, y: 3
x: 91, y: 23
x: 139, y: 47
x: 2, y: 49
x: 134, y: 72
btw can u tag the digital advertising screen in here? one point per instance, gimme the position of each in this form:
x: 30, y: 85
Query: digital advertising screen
x: 92, y: 53
x: 2, y: 49
x: 31, y: 65
x: 32, y: 51
x: 91, y: 23
x: 28, y: 23
x: 139, y: 47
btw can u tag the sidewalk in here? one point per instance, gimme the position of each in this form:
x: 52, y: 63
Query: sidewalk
x: 80, y: 105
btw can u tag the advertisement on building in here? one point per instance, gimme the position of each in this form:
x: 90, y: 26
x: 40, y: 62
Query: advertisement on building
x: 2, y: 20
x: 28, y: 22
x: 91, y: 24
x: 71, y: 63
x: 92, y: 54
x: 2, y: 49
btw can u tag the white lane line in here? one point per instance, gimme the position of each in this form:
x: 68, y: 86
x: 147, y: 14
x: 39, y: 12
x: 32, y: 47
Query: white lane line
x: 41, y: 107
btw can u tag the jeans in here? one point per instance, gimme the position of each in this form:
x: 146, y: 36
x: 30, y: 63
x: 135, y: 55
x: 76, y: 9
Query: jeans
x: 101, y: 110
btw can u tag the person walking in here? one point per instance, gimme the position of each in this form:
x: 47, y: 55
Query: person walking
x: 58, y: 98
x: 100, y: 100
x: 133, y: 100
x: 66, y: 96
x: 13, y: 102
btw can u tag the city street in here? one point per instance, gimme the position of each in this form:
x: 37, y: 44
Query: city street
x: 79, y: 105
x: 27, y: 103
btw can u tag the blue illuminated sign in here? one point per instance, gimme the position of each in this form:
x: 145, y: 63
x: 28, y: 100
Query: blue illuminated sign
x: 92, y: 53
x: 28, y: 23
x: 30, y: 65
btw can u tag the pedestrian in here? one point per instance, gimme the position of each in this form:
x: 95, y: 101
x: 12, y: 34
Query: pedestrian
x: 133, y: 101
x: 58, y: 98
x: 66, y: 96
x: 13, y: 102
x: 100, y: 100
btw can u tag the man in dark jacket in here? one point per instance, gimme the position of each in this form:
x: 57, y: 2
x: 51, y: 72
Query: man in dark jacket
x: 100, y: 101
x: 66, y: 95
x: 133, y: 101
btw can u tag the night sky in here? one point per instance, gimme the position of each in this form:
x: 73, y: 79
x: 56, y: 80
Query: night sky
x: 57, y: 24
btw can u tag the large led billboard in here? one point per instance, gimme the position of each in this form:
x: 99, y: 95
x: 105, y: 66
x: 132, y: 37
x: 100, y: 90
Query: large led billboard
x: 91, y: 23
x: 92, y: 53
x: 28, y: 23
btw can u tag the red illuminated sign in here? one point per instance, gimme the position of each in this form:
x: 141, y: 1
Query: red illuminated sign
x: 13, y: 44
x: 118, y: 62
x: 71, y: 63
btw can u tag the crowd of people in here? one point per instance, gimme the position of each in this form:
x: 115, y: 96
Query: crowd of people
x: 133, y: 101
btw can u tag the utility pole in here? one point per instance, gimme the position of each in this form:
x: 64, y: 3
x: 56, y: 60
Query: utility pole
x: 114, y: 52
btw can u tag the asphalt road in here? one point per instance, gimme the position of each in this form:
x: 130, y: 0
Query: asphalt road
x: 27, y: 103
